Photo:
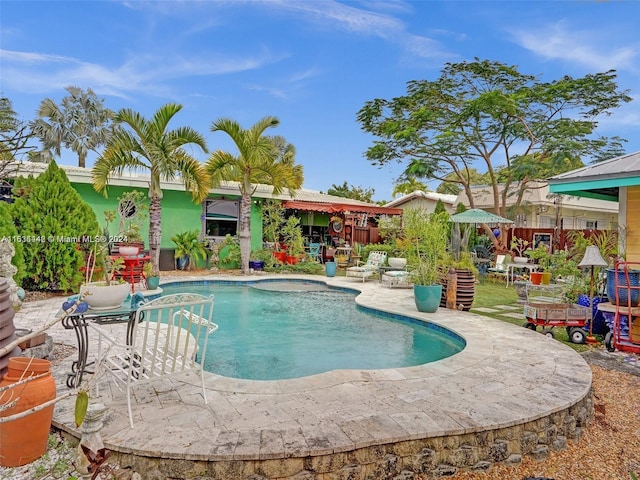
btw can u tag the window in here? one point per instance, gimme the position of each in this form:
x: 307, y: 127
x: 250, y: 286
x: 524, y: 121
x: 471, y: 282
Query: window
x: 220, y: 217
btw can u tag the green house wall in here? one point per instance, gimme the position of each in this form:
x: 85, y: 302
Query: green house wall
x: 179, y: 213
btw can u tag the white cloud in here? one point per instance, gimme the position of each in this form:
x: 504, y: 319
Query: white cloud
x: 42, y: 73
x: 582, y: 47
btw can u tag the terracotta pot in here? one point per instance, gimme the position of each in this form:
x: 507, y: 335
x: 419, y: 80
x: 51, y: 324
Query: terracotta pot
x: 24, y: 440
x: 280, y: 256
x: 536, y: 278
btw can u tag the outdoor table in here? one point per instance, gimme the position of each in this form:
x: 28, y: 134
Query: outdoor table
x: 512, y: 266
x: 79, y: 323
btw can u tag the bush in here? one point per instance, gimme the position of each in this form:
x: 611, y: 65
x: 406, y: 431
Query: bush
x: 56, y: 226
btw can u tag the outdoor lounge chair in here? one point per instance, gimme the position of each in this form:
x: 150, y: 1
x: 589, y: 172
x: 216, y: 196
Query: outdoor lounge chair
x: 169, y: 335
x: 375, y: 260
x: 500, y: 268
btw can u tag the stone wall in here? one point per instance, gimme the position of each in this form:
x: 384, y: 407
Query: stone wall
x: 431, y: 457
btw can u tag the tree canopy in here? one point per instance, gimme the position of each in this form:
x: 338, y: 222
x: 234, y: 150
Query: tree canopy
x: 351, y: 191
x: 80, y: 123
x: 486, y: 115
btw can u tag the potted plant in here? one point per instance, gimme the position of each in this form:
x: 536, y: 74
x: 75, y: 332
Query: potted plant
x: 105, y: 293
x: 258, y: 258
x: 429, y: 233
x: 542, y: 257
x: 229, y: 255
x: 356, y: 252
x: 189, y: 249
x: 518, y: 247
x: 151, y: 275
x: 292, y: 235
x: 132, y: 209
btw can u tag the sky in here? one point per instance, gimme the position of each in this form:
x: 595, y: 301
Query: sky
x: 313, y: 64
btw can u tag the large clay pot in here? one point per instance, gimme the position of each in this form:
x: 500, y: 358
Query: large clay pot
x: 465, y: 289
x: 427, y: 297
x: 623, y: 294
x: 24, y: 440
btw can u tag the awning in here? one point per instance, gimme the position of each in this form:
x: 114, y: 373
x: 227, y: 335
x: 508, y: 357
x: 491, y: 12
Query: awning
x: 476, y: 215
x: 339, y: 208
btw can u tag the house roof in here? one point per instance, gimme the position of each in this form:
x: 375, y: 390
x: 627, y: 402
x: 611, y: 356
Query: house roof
x: 449, y: 199
x: 601, y: 180
x: 133, y: 180
x: 340, y: 207
x: 537, y: 193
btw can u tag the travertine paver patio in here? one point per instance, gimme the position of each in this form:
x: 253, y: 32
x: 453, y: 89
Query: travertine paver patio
x: 506, y: 376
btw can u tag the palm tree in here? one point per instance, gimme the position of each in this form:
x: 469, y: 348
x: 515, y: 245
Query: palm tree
x: 80, y: 123
x: 149, y: 146
x: 261, y: 160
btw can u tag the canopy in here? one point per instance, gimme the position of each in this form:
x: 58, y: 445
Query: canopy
x: 476, y: 215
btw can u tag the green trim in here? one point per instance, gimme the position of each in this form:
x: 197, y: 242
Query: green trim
x: 588, y: 194
x: 583, y: 185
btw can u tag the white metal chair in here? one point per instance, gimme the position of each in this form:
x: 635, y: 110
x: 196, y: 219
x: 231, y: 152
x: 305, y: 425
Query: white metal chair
x: 169, y: 335
x: 375, y: 260
x: 500, y: 268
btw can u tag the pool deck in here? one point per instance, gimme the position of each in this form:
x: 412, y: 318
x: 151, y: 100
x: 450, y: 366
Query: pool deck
x: 506, y: 375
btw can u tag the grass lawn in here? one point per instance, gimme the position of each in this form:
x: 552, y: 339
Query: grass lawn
x: 490, y: 294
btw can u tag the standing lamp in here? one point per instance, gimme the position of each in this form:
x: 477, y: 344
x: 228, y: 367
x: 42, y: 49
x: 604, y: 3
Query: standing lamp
x: 592, y: 258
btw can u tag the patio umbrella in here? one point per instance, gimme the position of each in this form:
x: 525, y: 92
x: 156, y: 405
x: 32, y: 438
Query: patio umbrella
x: 476, y: 215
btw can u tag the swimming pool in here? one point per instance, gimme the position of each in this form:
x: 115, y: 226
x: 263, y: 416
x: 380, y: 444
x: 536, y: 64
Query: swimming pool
x: 280, y: 330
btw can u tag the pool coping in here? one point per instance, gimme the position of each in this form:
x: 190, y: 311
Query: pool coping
x: 505, y: 376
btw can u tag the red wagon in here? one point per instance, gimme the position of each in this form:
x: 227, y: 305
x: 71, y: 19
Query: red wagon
x: 575, y: 318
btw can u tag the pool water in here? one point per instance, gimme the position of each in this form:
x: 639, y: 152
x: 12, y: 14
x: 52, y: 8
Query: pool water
x: 271, y: 331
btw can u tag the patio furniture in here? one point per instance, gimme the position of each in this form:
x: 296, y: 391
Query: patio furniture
x: 314, y: 252
x: 396, y: 279
x: 500, y: 268
x: 375, y: 260
x: 168, y: 335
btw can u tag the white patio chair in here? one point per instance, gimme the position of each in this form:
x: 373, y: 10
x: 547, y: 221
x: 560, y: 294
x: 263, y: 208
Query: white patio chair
x: 375, y: 260
x: 500, y: 268
x: 169, y: 335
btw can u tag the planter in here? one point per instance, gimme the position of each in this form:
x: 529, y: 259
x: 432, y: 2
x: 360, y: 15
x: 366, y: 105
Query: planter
x: 465, y: 289
x: 291, y: 259
x: 256, y: 265
x: 24, y: 440
x: 105, y: 297
x: 599, y: 324
x: 427, y: 297
x: 546, y: 278
x: 128, y: 250
x: 280, y: 256
x: 330, y: 269
x: 536, y: 278
x: 397, y: 262
x: 521, y: 259
x: 621, y: 296
x: 182, y: 263
x: 153, y: 283
x: 521, y: 290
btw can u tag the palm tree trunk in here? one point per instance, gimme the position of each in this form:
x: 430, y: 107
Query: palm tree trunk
x: 245, y: 232
x: 155, y: 230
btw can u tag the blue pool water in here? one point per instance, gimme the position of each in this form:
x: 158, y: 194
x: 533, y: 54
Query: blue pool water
x: 279, y: 330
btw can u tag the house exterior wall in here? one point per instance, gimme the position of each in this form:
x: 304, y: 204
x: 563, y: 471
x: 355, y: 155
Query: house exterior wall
x: 632, y: 210
x: 179, y: 212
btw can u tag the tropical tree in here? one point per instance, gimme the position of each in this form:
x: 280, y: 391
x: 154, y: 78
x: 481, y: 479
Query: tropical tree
x: 405, y: 186
x: 80, y: 123
x: 147, y: 145
x: 261, y: 159
x: 351, y: 191
x: 488, y: 113
x: 452, y: 184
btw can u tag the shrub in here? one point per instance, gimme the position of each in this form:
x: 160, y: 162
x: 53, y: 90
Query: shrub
x: 8, y: 230
x: 56, y: 225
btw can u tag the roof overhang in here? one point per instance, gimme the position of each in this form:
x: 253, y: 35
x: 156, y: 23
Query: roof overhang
x: 339, y: 208
x: 598, y: 188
